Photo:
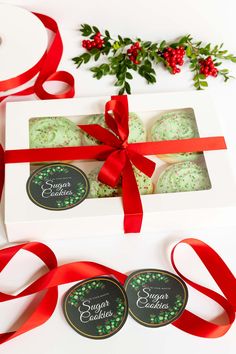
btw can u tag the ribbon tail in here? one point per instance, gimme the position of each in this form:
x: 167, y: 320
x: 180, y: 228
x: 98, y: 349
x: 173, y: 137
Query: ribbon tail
x: 142, y: 163
x: 131, y: 201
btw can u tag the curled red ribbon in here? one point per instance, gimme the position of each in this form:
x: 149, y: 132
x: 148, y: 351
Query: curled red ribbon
x: 76, y: 271
x: 45, y: 68
x: 118, y: 154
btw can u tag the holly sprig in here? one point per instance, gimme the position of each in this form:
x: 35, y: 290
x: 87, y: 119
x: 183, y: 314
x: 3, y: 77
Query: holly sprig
x: 124, y: 56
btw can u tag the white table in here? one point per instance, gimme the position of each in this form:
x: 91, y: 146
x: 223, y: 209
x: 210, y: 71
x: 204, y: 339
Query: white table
x: 211, y: 21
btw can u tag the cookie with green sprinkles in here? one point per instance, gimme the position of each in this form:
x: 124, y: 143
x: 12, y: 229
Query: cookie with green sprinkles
x: 183, y: 177
x: 144, y: 182
x: 53, y: 132
x: 101, y: 190
x: 176, y: 125
x: 137, y: 131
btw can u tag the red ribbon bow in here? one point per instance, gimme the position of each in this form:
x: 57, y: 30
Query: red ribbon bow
x: 46, y: 68
x: 118, y: 163
x: 76, y: 271
x: 118, y: 155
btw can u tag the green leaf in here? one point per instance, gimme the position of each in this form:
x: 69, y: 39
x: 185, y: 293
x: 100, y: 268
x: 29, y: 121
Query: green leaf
x: 107, y: 34
x: 224, y: 71
x: 106, y: 50
x: 147, y: 63
x: 127, y: 88
x: 127, y: 41
x: 188, y: 51
x: 128, y: 76
x: 203, y: 83
x: 86, y: 30
x: 96, y: 30
x: 162, y: 45
x: 99, y: 75
x: 94, y: 69
x: 119, y: 83
x: 94, y: 51
x: 201, y: 76
x: 120, y: 39
x: 97, y: 56
x: 122, y: 90
x: 86, y: 57
x: 146, y: 44
x: 105, y: 68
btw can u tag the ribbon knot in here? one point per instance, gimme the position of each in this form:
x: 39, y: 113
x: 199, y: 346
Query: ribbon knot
x: 125, y: 144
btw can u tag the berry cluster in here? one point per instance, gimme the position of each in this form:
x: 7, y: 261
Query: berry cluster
x: 207, y: 67
x: 133, y: 52
x: 174, y: 57
x: 97, y: 42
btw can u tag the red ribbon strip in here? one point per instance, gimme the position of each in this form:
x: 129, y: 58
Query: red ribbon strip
x: 118, y: 154
x: 76, y: 271
x: 45, y: 68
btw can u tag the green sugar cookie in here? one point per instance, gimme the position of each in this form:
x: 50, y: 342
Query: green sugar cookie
x: 183, y: 177
x: 144, y: 182
x: 101, y: 190
x: 175, y: 125
x: 137, y: 132
x: 53, y: 132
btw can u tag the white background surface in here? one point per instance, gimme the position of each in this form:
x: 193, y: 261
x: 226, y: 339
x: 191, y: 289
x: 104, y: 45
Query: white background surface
x: 211, y: 21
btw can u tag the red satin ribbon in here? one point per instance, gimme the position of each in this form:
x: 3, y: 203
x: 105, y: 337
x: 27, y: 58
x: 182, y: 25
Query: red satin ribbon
x: 118, y: 155
x: 76, y: 271
x: 45, y: 68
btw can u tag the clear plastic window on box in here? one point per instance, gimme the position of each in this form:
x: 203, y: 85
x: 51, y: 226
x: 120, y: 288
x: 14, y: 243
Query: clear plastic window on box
x: 174, y: 173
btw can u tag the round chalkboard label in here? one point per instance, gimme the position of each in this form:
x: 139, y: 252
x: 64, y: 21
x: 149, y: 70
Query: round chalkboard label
x: 57, y: 186
x: 156, y: 297
x: 96, y: 308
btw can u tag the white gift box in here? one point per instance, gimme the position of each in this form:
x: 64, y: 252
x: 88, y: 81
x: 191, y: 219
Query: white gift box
x: 104, y: 216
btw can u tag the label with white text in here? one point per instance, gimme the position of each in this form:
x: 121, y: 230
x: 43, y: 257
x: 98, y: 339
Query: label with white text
x: 96, y: 308
x: 57, y: 186
x: 156, y: 297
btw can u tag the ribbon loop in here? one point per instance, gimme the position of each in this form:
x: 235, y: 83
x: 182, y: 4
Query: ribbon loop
x: 226, y: 281
x: 46, y: 68
x: 119, y: 124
